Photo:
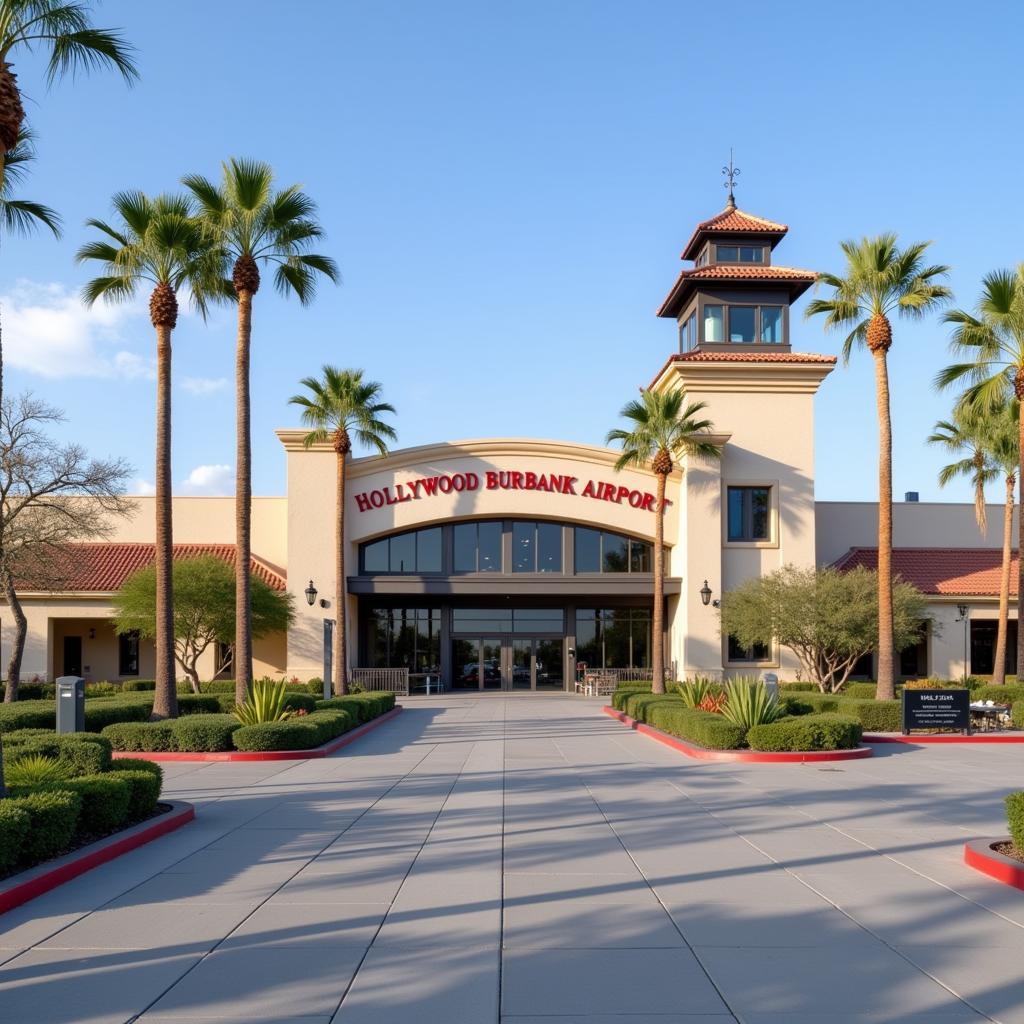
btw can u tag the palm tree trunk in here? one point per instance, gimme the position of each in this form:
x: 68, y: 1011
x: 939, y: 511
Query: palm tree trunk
x: 658, y: 612
x: 999, y: 668
x: 1020, y: 543
x: 340, y: 645
x: 243, y: 503
x: 20, y: 633
x: 886, y: 662
x: 165, y: 698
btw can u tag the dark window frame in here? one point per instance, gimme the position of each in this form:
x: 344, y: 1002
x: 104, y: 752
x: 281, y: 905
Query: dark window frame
x: 400, y: 534
x: 755, y: 654
x: 631, y: 542
x: 747, y: 534
x: 125, y: 643
x: 739, y: 247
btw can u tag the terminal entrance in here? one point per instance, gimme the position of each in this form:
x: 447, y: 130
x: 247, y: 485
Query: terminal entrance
x: 508, y: 663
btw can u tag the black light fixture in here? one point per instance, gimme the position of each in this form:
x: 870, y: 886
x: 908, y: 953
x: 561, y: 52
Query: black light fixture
x: 311, y: 593
x: 92, y: 633
x: 962, y: 609
x: 705, y: 594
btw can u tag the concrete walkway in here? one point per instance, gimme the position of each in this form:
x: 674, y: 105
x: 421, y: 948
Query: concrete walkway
x: 526, y: 859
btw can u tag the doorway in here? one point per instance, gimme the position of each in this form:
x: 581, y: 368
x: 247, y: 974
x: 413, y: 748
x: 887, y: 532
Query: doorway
x: 72, y: 656
x: 508, y: 663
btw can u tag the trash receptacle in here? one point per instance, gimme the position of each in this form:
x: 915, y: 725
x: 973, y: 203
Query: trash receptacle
x: 771, y: 683
x: 70, y: 704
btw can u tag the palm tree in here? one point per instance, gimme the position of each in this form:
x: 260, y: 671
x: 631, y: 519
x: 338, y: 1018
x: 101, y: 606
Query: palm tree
x: 340, y: 403
x: 969, y: 434
x: 63, y: 27
x: 992, y: 339
x: 158, y: 242
x: 256, y: 224
x: 662, y: 430
x: 1005, y: 445
x: 881, y: 280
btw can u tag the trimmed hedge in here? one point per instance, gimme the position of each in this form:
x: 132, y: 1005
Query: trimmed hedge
x: 1015, y: 818
x: 700, y: 727
x: 84, y: 753
x: 863, y: 691
x: 144, y: 788
x: 808, y: 732
x: 363, y: 707
x: 14, y: 825
x: 1017, y: 713
x: 145, y: 736
x: 636, y: 704
x: 300, y: 702
x: 137, y: 685
x: 53, y: 816
x: 203, y: 732
x: 798, y: 688
x: 1005, y: 694
x: 104, y: 802
x: 108, y: 710
x: 294, y: 733
x: 28, y: 714
x: 874, y: 715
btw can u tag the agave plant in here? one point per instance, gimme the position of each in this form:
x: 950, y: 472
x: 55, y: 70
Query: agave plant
x: 749, y: 702
x: 265, y: 703
x: 694, y: 691
x: 35, y: 769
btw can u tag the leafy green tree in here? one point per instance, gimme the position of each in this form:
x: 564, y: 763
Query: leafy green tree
x: 157, y: 244
x: 341, y: 404
x: 968, y: 434
x: 662, y: 430
x: 204, y: 608
x: 827, y: 618
x: 64, y: 28
x: 256, y: 224
x: 991, y: 341
x: 880, y: 280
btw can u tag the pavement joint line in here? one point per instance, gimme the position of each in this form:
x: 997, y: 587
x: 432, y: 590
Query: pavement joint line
x: 859, y: 924
x: 405, y: 877
x: 654, y: 892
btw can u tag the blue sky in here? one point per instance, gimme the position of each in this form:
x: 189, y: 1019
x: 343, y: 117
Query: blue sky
x: 507, y: 189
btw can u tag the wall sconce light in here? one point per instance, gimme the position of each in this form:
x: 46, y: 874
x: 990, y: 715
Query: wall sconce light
x: 705, y: 594
x: 92, y: 632
x: 962, y: 609
x: 310, y: 594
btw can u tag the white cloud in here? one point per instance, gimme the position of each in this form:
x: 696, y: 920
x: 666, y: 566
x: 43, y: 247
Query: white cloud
x: 47, y: 330
x: 144, y: 488
x: 217, y: 479
x: 202, y: 386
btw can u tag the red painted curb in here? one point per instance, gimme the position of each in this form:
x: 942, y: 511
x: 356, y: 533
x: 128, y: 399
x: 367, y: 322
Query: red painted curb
x: 742, y: 756
x: 261, y: 755
x: 895, y: 737
x: 978, y: 854
x: 29, y: 884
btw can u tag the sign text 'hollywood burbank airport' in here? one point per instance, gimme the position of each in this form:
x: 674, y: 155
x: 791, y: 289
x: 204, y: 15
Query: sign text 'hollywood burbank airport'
x: 501, y: 480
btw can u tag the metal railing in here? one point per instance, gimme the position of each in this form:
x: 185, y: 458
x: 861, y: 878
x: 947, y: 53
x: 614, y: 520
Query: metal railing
x: 392, y: 680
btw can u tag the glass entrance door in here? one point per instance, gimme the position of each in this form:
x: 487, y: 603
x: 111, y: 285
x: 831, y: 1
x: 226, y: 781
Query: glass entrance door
x: 507, y: 663
x: 521, y: 676
x: 476, y: 663
x: 549, y: 670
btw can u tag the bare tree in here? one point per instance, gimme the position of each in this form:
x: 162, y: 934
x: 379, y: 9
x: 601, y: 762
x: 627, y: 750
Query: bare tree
x: 51, y: 495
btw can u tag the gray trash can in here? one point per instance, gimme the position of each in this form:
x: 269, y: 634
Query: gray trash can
x: 771, y: 683
x: 70, y: 704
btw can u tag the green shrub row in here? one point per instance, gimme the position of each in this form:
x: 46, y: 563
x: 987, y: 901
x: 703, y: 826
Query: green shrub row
x: 294, y: 733
x: 99, y: 711
x: 193, y: 733
x: 363, y: 707
x: 808, y: 732
x: 84, y: 753
x: 1017, y: 714
x: 700, y: 727
x: 873, y: 715
x: 1015, y: 818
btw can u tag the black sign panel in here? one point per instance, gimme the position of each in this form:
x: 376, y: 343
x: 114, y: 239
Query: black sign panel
x: 936, y: 709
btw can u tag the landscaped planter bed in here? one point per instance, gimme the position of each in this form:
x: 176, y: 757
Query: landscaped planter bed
x: 324, y: 750
x: 932, y: 738
x: 747, y: 756
x: 983, y: 855
x: 26, y: 885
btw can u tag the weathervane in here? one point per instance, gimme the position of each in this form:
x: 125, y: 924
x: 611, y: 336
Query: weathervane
x: 731, y: 174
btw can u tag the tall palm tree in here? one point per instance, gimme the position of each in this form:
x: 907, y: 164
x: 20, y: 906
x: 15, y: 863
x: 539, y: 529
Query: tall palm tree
x: 968, y: 434
x: 880, y: 280
x: 254, y: 224
x: 662, y: 429
x: 992, y: 340
x: 341, y: 404
x: 157, y: 243
x: 64, y: 28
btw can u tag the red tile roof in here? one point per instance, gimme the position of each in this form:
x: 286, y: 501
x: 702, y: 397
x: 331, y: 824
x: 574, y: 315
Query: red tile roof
x: 952, y: 572
x: 796, y: 279
x: 752, y: 357
x: 733, y: 221
x: 103, y: 567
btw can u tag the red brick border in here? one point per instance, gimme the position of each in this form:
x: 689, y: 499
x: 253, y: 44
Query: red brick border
x: 896, y: 737
x: 324, y: 750
x: 27, y: 885
x: 978, y: 854
x: 743, y: 756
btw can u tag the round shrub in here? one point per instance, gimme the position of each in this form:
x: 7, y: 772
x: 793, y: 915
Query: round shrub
x: 297, y: 734
x: 144, y: 787
x: 315, y: 687
x: 53, y: 815
x: 203, y: 732
x: 807, y: 732
x: 299, y: 701
x: 146, y: 736
x: 14, y: 826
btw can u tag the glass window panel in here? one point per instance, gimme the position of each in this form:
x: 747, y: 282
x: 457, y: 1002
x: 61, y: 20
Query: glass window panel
x: 735, y: 500
x: 751, y: 254
x: 377, y: 630
x: 464, y: 547
x: 727, y: 253
x: 482, y: 620
x: 714, y: 329
x: 641, y: 556
x: 490, y: 547
x: 614, y: 552
x: 741, y: 324
x: 549, y: 547
x: 736, y: 651
x: 428, y: 550
x: 403, y: 638
x: 524, y: 547
x: 538, y: 620
x: 375, y: 556
x: 771, y: 324
x: 640, y: 640
x: 684, y: 336
x: 588, y: 549
x: 693, y: 329
x: 403, y: 553
x: 759, y: 513
x: 588, y: 637
x: 616, y: 638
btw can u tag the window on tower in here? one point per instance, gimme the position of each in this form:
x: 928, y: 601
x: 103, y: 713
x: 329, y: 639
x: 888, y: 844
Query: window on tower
x: 739, y: 253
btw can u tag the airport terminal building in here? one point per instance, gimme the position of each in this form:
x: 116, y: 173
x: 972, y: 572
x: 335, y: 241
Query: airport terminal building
x: 505, y: 563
